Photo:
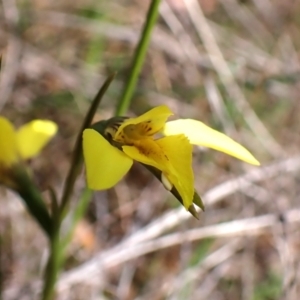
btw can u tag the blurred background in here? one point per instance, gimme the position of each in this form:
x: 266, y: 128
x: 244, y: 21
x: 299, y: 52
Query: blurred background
x: 232, y: 64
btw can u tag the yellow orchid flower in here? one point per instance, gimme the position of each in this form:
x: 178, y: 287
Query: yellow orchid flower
x: 111, y: 146
x: 24, y: 143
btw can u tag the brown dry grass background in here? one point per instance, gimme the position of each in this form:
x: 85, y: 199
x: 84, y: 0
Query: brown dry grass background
x: 232, y: 64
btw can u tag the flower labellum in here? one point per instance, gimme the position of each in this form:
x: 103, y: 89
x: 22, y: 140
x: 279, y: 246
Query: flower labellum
x: 111, y: 146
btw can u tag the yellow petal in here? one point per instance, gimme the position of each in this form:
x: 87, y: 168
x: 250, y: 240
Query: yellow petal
x: 200, y: 134
x: 173, y: 156
x: 145, y: 125
x: 105, y: 164
x: 179, y: 152
x: 147, y: 152
x: 8, y: 143
x: 33, y: 136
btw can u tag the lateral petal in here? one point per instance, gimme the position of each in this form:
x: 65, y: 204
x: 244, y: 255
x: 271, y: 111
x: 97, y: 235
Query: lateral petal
x: 105, y: 164
x: 33, y: 136
x: 200, y: 134
x: 8, y: 143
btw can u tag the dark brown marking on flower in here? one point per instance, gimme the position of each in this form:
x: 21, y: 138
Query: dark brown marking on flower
x: 143, y: 150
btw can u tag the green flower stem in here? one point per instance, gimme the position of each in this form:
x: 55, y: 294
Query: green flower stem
x: 53, y: 266
x: 32, y: 198
x: 57, y: 246
x: 138, y: 59
x: 77, y: 159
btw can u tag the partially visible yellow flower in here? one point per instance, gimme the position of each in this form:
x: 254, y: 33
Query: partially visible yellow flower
x: 111, y: 146
x: 8, y: 144
x: 24, y: 143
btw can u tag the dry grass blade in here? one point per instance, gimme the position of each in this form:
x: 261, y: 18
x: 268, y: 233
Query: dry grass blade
x: 125, y: 252
x: 221, y: 67
x: 159, y: 40
x: 11, y: 60
x: 199, y: 271
x: 193, y: 56
x: 129, y: 248
x: 244, y: 16
x: 217, y: 104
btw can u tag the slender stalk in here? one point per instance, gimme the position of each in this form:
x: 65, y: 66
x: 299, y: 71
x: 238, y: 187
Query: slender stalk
x: 57, y: 248
x: 53, y: 267
x: 138, y: 59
